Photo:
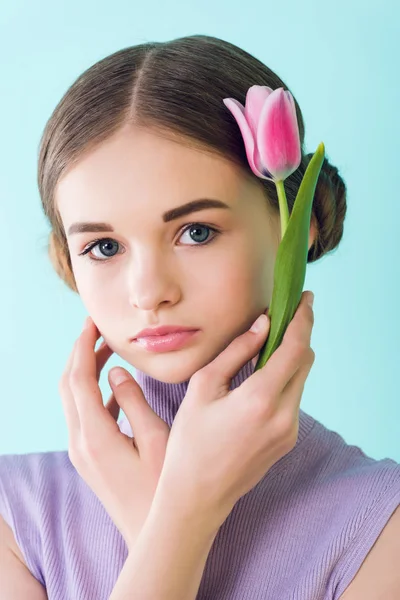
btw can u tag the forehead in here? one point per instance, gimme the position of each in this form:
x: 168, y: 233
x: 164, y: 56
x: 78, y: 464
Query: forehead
x: 141, y: 168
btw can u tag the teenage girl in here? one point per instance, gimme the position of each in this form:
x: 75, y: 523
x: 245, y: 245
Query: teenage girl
x: 216, y: 485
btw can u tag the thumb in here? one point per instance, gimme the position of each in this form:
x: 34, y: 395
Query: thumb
x: 226, y: 365
x: 144, y: 422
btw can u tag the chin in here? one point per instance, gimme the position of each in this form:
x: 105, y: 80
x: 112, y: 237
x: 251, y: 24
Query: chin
x: 169, y: 374
x: 175, y: 367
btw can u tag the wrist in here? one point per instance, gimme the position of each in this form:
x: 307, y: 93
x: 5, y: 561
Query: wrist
x: 184, y: 512
x: 169, y: 555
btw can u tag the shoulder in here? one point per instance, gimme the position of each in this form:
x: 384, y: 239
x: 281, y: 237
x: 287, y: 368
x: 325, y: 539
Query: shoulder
x: 361, y: 497
x: 379, y: 574
x: 32, y: 479
x: 30, y: 488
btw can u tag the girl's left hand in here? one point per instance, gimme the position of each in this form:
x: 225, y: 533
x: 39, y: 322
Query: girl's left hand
x: 223, y: 442
x: 123, y: 472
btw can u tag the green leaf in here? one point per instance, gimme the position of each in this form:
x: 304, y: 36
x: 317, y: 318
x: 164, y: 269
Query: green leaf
x: 291, y: 260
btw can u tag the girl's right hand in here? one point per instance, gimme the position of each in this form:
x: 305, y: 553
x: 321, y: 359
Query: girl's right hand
x: 122, y: 471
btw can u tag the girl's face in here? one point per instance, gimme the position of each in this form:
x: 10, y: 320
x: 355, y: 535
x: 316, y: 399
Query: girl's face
x: 210, y: 270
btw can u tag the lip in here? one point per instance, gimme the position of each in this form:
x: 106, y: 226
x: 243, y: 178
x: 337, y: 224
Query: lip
x: 166, y: 343
x: 162, y: 330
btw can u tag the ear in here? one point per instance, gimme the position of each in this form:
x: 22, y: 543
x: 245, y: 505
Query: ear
x: 313, y: 231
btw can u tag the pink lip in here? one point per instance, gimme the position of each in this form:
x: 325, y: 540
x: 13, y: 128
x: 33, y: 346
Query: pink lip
x: 162, y: 330
x: 165, y: 343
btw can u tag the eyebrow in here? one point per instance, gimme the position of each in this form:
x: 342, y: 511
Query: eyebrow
x: 170, y: 215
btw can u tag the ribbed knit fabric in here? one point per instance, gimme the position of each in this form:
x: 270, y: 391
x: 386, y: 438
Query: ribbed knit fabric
x: 300, y: 534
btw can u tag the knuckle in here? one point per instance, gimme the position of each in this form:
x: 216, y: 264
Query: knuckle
x: 156, y: 439
x: 310, y: 356
x: 248, y: 340
x: 283, y: 423
x: 91, y: 448
x: 201, y: 377
x: 286, y: 428
x: 73, y: 456
x: 291, y: 439
x: 62, y: 384
x: 263, y: 408
x: 76, y: 377
x: 298, y: 349
x: 310, y: 314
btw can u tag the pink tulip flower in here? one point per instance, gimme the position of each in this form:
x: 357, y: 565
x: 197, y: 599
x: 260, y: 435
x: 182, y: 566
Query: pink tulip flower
x: 270, y: 131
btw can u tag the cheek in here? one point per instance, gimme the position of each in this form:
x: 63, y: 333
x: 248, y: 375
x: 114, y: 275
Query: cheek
x: 88, y: 285
x: 241, y: 285
x: 250, y: 270
x: 100, y: 298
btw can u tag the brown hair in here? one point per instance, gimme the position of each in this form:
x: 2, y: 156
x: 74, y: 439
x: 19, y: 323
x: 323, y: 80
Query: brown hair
x: 175, y: 86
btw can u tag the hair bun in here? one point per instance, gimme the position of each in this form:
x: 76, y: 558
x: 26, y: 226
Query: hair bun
x: 329, y: 208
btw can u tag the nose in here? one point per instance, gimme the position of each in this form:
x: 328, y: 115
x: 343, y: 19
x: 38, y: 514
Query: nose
x: 153, y: 282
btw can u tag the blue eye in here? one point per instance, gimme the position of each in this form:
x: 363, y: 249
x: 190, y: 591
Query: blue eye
x: 105, y: 245
x: 197, y: 227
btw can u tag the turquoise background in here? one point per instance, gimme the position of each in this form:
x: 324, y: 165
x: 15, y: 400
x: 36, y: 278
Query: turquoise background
x: 341, y: 62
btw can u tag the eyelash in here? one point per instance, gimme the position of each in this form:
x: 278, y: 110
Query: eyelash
x: 98, y: 241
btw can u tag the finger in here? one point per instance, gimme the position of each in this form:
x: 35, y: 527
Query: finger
x: 113, y: 407
x: 84, y: 384
x: 290, y: 399
x: 292, y: 392
x: 300, y: 328
x: 293, y: 353
x: 147, y: 427
x: 218, y: 373
x: 103, y: 353
x: 67, y: 399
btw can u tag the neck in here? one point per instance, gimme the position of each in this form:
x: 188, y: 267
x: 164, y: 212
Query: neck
x: 166, y: 398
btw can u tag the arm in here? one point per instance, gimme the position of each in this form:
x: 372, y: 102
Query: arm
x: 379, y: 574
x: 168, y: 558
x: 16, y: 581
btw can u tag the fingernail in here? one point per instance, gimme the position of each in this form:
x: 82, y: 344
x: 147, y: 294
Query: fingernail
x: 118, y: 376
x: 86, y: 323
x: 259, y: 324
x: 310, y: 298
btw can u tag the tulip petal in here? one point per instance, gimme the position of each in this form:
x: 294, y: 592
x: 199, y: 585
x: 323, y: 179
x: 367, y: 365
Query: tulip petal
x: 278, y: 140
x: 237, y: 109
x: 255, y: 99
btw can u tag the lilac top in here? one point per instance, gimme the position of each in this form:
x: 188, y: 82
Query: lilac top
x: 301, y: 533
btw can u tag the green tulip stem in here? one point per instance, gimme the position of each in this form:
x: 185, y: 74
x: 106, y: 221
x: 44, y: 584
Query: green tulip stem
x: 283, y: 206
x: 291, y: 257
